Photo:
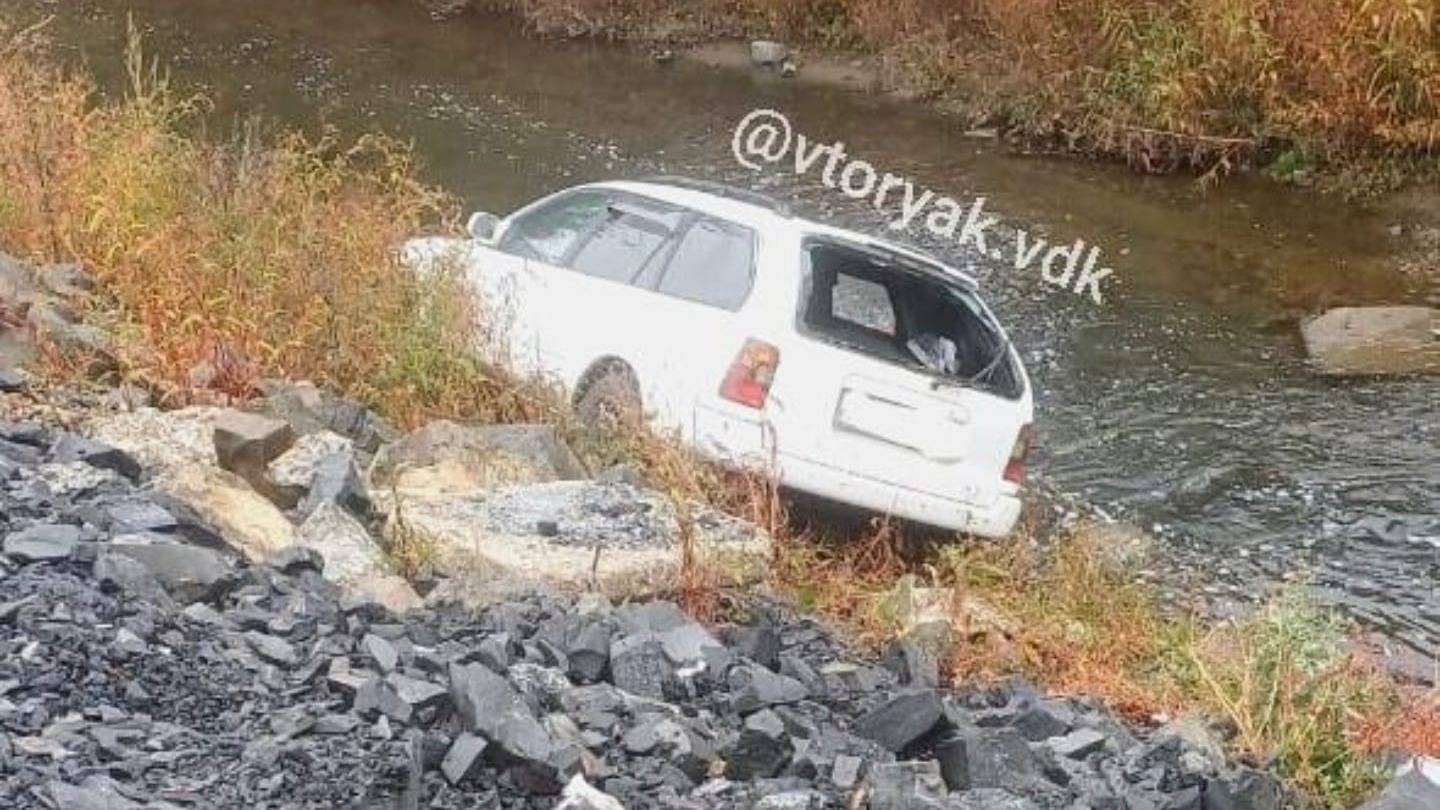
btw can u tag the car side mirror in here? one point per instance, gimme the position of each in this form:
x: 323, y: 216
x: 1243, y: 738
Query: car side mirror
x: 482, y: 226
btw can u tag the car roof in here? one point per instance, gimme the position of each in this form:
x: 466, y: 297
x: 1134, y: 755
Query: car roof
x: 755, y: 211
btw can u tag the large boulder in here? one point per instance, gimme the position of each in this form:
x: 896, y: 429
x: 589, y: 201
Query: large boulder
x: 246, y: 443
x: 244, y: 519
x: 479, y: 457
x: 353, y: 559
x: 1375, y: 340
x: 570, y: 534
x: 161, y: 440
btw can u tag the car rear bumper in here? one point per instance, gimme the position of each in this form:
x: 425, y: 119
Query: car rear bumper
x: 996, y: 519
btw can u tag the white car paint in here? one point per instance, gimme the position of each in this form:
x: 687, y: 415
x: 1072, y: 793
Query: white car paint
x: 837, y: 423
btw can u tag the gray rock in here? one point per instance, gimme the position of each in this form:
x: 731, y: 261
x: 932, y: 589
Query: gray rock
x: 906, y: 786
x: 337, y: 480
x: 912, y: 664
x: 12, y: 380
x: 127, y: 575
x: 246, y: 443
x: 685, y: 644
x: 1244, y: 788
x: 1416, y: 788
x: 496, y: 455
x: 70, y: 448
x: 489, y: 705
x: 1375, y: 340
x: 847, y: 771
x: 767, y: 53
x: 763, y: 749
x: 56, y: 324
x: 272, y: 648
x: 997, y: 799
x: 293, y: 472
x: 309, y: 409
x: 380, y: 651
x: 463, y: 759
x: 791, y: 800
x: 95, y: 793
x: 759, y: 643
x: 419, y: 693
x: 639, y: 666
x: 43, y: 543
x: 580, y: 795
x: 1037, y: 721
x: 1078, y: 744
x: 754, y: 688
x: 989, y: 758
x: 587, y: 648
x: 140, y: 517
x: 902, y: 720
x: 187, y: 573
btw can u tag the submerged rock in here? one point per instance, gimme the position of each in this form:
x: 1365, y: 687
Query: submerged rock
x: 1375, y: 340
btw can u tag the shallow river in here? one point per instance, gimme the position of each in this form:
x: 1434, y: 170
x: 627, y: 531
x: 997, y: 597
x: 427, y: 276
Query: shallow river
x: 1178, y: 404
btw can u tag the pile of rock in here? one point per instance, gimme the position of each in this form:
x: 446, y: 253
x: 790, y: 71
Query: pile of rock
x: 145, y: 663
x: 497, y: 508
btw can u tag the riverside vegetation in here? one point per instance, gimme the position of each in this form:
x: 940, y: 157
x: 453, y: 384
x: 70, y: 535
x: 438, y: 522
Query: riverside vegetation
x: 1347, y: 89
x: 222, y: 261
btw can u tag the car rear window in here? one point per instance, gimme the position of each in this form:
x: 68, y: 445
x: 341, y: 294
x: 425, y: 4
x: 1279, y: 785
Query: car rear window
x: 897, y: 310
x: 713, y: 264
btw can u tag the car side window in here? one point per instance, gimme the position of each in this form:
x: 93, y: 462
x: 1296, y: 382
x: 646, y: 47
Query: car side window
x: 713, y: 264
x: 550, y: 232
x: 626, y: 240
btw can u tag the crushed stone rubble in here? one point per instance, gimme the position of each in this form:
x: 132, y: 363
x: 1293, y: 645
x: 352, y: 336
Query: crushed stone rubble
x: 145, y: 665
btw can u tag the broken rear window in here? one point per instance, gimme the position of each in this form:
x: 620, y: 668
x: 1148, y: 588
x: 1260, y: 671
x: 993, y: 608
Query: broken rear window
x: 899, y: 310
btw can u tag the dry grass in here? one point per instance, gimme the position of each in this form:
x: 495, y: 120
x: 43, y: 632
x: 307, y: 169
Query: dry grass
x: 229, y: 261
x: 1203, y: 84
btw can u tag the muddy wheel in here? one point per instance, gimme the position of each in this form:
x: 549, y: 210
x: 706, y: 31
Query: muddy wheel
x: 610, y: 401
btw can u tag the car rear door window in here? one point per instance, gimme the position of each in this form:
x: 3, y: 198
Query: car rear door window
x: 713, y: 264
x: 550, y: 232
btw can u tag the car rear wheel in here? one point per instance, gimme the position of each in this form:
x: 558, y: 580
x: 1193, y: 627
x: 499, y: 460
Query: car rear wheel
x: 610, y: 401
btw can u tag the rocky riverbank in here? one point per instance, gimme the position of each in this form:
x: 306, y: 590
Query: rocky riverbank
x: 152, y: 657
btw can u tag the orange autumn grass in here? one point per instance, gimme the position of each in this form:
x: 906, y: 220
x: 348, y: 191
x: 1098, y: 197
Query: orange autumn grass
x: 238, y: 259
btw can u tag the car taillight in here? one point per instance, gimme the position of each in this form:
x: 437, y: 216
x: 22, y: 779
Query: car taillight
x: 748, y: 379
x: 1015, y: 467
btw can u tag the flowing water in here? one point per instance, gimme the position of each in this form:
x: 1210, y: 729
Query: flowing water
x: 1178, y: 404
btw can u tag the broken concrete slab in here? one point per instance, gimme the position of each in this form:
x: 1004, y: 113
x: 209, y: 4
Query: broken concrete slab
x: 245, y: 520
x: 623, y: 539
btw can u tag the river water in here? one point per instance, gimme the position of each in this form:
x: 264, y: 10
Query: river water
x: 1179, y: 404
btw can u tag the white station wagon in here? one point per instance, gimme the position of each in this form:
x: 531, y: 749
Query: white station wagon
x: 852, y: 369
